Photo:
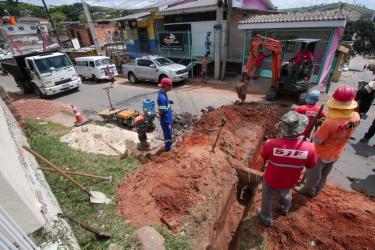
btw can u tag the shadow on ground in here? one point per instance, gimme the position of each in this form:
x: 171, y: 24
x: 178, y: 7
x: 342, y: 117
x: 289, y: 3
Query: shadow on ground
x: 363, y: 149
x: 364, y: 185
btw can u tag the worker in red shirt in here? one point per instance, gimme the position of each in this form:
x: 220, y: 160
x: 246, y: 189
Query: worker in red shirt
x: 310, y: 110
x: 301, y: 58
x: 258, y: 63
x: 286, y: 157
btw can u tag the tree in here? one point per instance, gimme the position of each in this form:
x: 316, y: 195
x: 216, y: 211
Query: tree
x: 362, y: 34
x: 59, y: 17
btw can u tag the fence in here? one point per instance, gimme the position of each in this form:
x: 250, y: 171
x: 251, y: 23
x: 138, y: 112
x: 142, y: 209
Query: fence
x: 290, y: 48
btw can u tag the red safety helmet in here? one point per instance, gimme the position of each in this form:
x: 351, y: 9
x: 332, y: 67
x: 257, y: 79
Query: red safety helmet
x: 343, y: 98
x: 344, y: 94
x: 165, y: 82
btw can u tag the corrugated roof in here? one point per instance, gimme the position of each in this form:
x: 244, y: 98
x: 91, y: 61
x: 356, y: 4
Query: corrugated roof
x: 296, y: 17
x: 132, y: 16
x: 192, y: 5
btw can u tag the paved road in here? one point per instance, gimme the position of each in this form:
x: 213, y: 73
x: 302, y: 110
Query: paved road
x: 189, y: 97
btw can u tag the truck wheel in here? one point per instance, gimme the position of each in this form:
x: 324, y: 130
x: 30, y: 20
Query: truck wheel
x: 161, y: 77
x: 94, y: 78
x: 132, y: 78
x: 37, y: 92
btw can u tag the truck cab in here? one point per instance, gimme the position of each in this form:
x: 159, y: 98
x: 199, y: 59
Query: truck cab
x: 51, y: 73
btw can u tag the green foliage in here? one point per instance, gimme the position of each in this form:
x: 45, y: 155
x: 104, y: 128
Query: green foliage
x: 21, y: 9
x: 362, y: 33
x: 59, y: 17
x: 44, y: 139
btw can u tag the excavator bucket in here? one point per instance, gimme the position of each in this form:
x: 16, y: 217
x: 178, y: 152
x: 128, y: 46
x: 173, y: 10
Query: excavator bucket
x: 241, y: 88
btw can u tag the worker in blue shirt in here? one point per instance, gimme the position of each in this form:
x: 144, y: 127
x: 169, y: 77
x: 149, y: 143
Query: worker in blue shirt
x: 165, y: 111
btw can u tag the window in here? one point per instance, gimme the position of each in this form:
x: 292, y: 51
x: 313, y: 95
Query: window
x: 32, y: 27
x: 31, y: 65
x: 49, y: 64
x: 92, y: 64
x: 10, y: 29
x: 144, y: 63
x: 104, y: 61
x: 162, y: 61
x: 21, y: 28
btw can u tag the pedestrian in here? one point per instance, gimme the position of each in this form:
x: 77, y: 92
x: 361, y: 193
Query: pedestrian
x: 311, y: 110
x: 111, y: 76
x: 165, y: 112
x: 364, y: 97
x: 364, y: 67
x: 286, y: 157
x: 369, y: 134
x: 204, y: 71
x: 331, y: 138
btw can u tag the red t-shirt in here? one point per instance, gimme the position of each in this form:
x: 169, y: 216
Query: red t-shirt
x: 259, y: 60
x: 300, y: 56
x: 310, y: 111
x: 286, y: 160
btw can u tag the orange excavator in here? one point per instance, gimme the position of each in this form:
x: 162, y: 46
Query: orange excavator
x: 281, y: 82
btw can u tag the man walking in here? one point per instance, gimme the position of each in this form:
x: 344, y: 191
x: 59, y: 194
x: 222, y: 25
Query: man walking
x: 310, y: 110
x: 331, y: 138
x: 165, y: 112
x: 286, y: 158
x: 364, y: 97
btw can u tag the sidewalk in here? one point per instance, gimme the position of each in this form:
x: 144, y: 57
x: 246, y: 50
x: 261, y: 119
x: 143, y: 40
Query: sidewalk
x: 358, y: 160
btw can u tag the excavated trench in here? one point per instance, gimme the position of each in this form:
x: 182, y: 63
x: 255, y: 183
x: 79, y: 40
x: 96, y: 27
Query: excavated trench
x: 195, y: 190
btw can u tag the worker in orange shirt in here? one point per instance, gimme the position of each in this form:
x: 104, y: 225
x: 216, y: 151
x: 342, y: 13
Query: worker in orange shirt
x: 331, y: 138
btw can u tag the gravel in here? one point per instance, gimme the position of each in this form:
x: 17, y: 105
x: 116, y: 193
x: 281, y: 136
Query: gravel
x: 95, y: 139
x: 37, y: 108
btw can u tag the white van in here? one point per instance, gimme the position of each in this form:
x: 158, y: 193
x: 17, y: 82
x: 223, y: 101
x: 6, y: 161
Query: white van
x: 94, y: 67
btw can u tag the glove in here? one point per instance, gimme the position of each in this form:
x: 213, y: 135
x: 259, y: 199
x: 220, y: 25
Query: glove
x: 319, y: 121
x: 171, y: 102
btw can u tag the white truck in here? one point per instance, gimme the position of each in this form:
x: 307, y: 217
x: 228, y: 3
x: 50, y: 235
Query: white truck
x: 44, y: 74
x: 154, y: 68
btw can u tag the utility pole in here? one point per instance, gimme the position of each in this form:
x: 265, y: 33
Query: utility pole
x: 226, y: 38
x: 52, y: 23
x: 218, y: 27
x: 92, y: 28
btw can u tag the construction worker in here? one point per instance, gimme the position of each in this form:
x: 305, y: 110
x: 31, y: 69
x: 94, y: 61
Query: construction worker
x: 165, y: 111
x: 331, y: 138
x: 301, y: 58
x: 365, y: 97
x: 311, y: 110
x: 286, y: 156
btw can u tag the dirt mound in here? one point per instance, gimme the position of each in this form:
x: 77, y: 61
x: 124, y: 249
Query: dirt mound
x: 191, y: 187
x: 37, y: 108
x: 335, y: 219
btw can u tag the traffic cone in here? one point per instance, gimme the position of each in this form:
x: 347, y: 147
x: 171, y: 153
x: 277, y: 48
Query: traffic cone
x: 80, y: 119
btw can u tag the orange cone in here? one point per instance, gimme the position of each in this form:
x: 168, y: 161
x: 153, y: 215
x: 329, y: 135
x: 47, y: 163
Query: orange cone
x: 80, y: 119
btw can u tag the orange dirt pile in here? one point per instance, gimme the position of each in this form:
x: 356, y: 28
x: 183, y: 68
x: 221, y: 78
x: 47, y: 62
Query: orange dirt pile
x: 335, y: 219
x: 189, y: 181
x: 37, y: 108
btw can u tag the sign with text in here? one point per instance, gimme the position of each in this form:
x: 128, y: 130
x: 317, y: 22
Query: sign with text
x: 171, y: 41
x: 237, y: 3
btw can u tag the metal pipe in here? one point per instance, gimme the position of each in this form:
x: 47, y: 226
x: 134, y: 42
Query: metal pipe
x: 5, y: 243
x: 4, y: 224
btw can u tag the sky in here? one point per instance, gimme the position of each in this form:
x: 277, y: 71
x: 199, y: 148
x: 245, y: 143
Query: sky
x: 281, y: 4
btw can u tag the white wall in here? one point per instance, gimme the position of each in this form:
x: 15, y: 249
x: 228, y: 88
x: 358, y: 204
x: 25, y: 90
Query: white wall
x: 24, y: 192
x: 199, y: 31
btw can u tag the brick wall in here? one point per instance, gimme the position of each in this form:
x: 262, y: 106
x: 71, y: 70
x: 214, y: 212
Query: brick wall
x: 82, y: 33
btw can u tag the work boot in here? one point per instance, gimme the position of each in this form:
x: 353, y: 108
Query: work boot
x: 364, y: 140
x: 283, y: 210
x: 143, y: 145
x: 265, y: 221
x: 305, y: 191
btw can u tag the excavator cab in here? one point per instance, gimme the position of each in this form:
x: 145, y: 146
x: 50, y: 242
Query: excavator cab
x: 295, y: 75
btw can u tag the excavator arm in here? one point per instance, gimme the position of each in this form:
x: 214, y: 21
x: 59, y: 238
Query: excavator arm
x: 270, y: 44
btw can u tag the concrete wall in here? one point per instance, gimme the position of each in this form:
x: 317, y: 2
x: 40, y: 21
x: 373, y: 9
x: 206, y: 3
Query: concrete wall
x: 102, y: 30
x: 24, y: 192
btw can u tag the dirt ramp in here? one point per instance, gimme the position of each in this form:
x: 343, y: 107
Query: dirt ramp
x: 194, y: 189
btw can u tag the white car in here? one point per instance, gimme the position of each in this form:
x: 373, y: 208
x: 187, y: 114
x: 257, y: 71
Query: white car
x: 154, y: 68
x: 94, y: 67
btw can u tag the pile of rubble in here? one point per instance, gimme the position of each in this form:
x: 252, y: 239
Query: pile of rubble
x: 183, y: 122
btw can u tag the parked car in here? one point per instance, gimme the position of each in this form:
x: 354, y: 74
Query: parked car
x: 154, y: 68
x: 94, y: 67
x: 45, y: 73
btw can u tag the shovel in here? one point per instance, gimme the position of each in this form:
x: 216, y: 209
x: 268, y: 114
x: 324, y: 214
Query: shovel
x: 95, y: 196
